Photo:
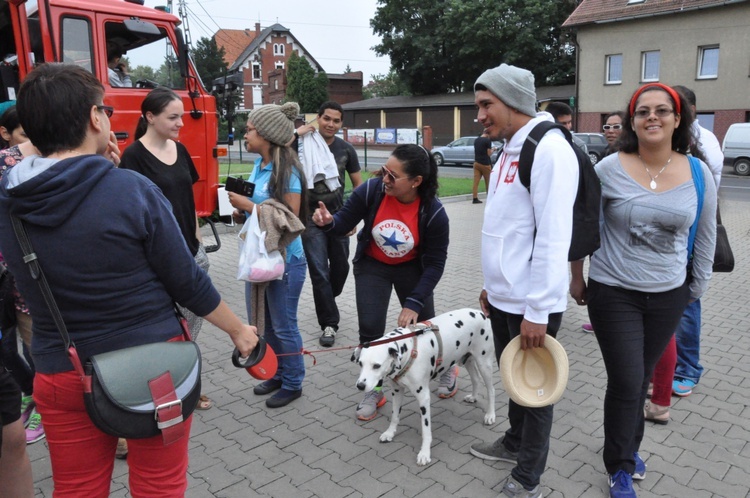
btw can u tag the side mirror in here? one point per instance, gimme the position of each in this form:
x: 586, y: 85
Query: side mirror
x: 182, y: 53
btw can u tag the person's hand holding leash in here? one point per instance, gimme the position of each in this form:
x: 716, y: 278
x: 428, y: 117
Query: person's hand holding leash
x: 246, y: 340
x: 407, y: 317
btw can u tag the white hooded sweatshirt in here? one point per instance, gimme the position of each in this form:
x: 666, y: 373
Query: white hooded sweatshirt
x: 526, y: 274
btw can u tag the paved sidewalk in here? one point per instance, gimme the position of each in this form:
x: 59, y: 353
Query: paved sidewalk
x: 315, y: 448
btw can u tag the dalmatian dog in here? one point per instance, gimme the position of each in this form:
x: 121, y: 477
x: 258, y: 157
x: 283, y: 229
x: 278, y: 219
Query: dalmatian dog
x: 462, y: 337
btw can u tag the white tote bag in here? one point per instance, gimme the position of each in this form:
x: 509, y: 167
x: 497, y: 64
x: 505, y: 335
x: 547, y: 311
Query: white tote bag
x: 256, y: 264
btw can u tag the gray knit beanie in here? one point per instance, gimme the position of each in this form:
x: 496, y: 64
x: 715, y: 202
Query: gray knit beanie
x: 513, y: 85
x: 275, y: 123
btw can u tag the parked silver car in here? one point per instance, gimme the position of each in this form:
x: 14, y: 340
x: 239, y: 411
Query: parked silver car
x: 461, y: 151
x: 595, y: 145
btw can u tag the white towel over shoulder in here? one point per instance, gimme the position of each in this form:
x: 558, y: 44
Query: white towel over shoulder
x: 318, y: 161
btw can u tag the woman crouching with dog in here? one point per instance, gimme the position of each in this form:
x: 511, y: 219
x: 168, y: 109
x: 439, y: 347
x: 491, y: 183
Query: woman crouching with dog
x: 403, y: 245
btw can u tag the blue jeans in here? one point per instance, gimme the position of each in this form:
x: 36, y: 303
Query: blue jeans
x: 374, y: 282
x: 282, y: 332
x: 633, y: 329
x: 530, y: 428
x: 328, y: 263
x: 688, y: 335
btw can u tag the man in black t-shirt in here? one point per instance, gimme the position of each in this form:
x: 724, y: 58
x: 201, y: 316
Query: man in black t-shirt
x: 328, y: 255
x: 482, y: 164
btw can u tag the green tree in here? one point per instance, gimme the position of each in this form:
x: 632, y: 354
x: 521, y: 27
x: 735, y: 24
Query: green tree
x: 142, y: 73
x: 209, y: 60
x: 385, y: 85
x: 169, y: 73
x: 444, y: 45
x: 305, y: 87
x: 347, y: 69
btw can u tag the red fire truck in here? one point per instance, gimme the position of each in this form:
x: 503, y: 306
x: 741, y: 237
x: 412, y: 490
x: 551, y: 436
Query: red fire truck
x: 78, y: 31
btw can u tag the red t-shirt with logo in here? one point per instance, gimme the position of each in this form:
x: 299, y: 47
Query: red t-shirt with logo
x: 395, y: 232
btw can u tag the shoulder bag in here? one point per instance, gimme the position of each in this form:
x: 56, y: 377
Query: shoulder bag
x: 133, y: 393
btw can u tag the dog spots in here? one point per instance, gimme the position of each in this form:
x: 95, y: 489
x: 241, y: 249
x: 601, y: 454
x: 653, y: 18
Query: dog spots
x: 419, y: 389
x: 472, y: 314
x: 432, y: 343
x: 468, y: 345
x: 403, y: 348
x: 458, y: 344
x: 484, y: 317
x: 399, y: 409
x: 426, y: 422
x: 453, y: 362
x: 423, y: 410
x: 459, y: 324
x: 471, y: 335
x: 432, y: 361
x: 483, y: 352
x: 486, y: 338
x: 481, y: 332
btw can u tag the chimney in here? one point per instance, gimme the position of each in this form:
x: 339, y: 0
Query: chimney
x: 257, y: 28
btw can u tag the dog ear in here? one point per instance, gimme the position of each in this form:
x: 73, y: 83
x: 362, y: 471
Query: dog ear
x: 396, y: 355
x: 355, y: 354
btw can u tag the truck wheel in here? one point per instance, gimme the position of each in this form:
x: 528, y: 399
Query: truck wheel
x: 742, y: 167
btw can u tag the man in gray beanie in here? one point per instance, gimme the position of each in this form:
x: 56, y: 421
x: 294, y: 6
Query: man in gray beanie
x: 525, y: 240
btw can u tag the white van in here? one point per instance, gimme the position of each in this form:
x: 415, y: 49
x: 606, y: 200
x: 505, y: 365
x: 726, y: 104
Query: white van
x: 737, y: 148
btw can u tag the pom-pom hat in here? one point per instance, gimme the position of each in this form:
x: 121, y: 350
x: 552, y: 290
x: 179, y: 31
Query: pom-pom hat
x: 275, y: 123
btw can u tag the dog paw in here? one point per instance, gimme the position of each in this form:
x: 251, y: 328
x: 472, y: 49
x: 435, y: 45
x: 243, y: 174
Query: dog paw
x: 387, y: 437
x: 423, y: 458
x: 470, y: 399
x: 489, y: 418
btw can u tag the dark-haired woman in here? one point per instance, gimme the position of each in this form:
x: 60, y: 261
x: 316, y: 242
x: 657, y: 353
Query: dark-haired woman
x: 403, y: 246
x: 157, y: 155
x: 638, y: 283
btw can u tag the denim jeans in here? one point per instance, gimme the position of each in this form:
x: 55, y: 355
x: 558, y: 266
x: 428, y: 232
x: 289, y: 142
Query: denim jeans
x: 374, y: 282
x: 633, y: 328
x: 530, y: 428
x: 688, y: 335
x: 328, y: 263
x: 282, y: 332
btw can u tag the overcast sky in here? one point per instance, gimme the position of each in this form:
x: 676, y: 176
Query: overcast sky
x: 334, y: 32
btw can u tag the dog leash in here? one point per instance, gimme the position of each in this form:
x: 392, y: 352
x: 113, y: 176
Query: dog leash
x: 415, y: 331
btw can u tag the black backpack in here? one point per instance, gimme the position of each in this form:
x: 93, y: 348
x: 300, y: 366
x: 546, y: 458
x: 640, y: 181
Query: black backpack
x: 585, y: 239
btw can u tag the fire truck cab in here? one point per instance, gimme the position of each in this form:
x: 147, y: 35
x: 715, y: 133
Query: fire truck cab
x: 79, y: 31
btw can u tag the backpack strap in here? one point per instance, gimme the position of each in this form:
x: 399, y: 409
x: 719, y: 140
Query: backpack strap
x: 526, y: 158
x: 700, y: 189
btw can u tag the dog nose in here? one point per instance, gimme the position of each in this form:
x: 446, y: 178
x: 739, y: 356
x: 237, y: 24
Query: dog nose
x: 361, y: 386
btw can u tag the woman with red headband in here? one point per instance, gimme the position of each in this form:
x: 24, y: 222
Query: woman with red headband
x: 639, y: 282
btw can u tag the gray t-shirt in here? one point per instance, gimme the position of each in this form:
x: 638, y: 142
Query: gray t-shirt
x: 644, y: 234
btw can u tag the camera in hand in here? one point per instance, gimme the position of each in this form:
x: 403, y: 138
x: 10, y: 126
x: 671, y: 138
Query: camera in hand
x: 240, y: 186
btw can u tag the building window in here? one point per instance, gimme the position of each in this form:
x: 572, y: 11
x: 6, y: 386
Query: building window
x: 256, y: 71
x: 706, y: 120
x: 708, y: 62
x: 614, y: 69
x: 279, y: 65
x: 275, y: 84
x: 278, y: 49
x: 650, y: 66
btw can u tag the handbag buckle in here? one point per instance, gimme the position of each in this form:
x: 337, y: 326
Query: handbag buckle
x: 170, y: 422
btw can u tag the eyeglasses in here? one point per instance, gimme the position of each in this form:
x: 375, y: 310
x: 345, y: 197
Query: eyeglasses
x: 106, y: 109
x: 661, y: 112
x: 385, y: 172
x: 613, y: 127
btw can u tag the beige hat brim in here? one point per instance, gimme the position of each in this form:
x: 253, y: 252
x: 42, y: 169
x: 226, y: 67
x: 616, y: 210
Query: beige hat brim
x: 535, y: 377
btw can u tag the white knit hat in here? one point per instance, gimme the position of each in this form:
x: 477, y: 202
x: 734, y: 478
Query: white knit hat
x: 275, y: 123
x: 513, y: 85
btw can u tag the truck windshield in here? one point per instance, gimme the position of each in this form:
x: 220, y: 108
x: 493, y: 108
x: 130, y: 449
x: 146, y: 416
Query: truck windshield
x: 150, y: 61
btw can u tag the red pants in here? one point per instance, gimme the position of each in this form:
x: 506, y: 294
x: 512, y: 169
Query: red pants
x: 83, y: 457
x: 664, y: 375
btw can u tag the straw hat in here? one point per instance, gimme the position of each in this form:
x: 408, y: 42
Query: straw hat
x: 535, y: 377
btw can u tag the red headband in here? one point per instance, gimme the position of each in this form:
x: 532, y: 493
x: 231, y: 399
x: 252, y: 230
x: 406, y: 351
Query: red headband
x: 671, y: 91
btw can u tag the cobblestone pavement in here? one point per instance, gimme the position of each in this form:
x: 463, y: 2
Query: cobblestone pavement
x: 315, y: 447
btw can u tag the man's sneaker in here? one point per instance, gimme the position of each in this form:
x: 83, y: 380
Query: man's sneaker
x: 328, y: 337
x: 35, y: 430
x: 476, y: 201
x: 514, y: 488
x: 121, y: 452
x: 621, y: 485
x: 682, y: 387
x: 448, y: 383
x: 493, y: 451
x: 368, y: 408
x: 27, y: 406
x: 639, y: 473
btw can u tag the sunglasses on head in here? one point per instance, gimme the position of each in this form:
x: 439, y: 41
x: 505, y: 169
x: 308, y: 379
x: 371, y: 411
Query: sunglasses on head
x: 612, y: 127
